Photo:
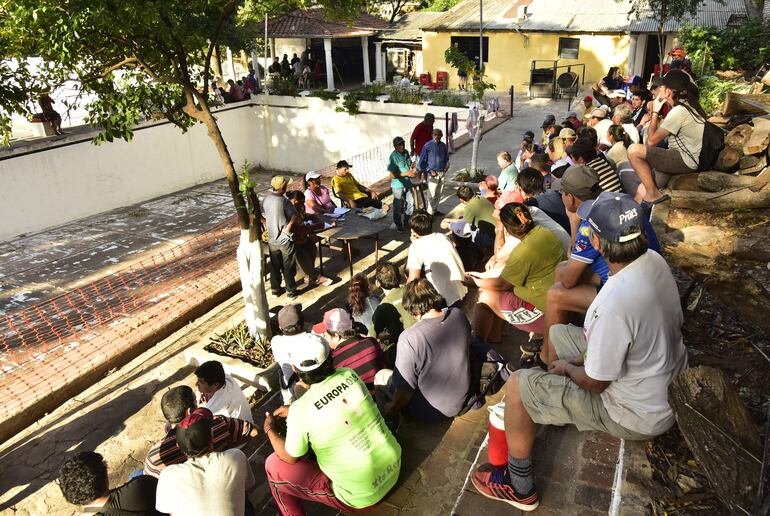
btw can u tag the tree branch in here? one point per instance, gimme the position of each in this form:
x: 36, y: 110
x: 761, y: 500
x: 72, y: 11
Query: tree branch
x: 227, y: 11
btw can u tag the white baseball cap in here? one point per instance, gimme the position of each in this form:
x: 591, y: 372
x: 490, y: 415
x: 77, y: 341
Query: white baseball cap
x: 617, y: 94
x: 310, y: 350
x: 312, y: 175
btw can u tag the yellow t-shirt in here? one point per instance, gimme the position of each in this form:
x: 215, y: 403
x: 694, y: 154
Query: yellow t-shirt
x: 347, y: 186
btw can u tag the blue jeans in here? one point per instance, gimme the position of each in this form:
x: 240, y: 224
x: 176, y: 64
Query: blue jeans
x: 403, y: 207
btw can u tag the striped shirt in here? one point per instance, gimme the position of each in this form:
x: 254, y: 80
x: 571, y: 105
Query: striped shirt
x: 362, y: 355
x: 608, y: 177
x: 226, y: 432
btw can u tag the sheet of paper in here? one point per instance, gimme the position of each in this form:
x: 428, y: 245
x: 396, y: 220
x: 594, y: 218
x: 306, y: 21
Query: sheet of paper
x: 341, y: 211
x: 327, y: 225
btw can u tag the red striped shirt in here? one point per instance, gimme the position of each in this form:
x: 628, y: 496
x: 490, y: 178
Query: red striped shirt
x: 364, y: 356
x: 226, y: 432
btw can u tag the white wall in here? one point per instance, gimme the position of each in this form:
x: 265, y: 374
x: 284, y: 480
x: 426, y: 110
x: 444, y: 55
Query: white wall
x: 55, y: 184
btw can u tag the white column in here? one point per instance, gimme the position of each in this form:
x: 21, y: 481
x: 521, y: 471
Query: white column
x: 231, y: 64
x: 329, y: 67
x: 365, y: 51
x: 383, y: 61
x: 632, y: 55
x: 378, y: 77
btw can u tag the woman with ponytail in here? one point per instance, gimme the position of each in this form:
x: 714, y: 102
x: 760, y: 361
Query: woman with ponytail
x: 518, y: 295
x: 361, y: 304
x: 684, y: 126
x: 620, y: 141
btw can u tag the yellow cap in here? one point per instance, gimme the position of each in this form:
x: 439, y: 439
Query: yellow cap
x: 278, y: 182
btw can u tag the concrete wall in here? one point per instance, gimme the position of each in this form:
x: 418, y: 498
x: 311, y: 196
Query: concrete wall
x: 511, y: 55
x: 51, y: 183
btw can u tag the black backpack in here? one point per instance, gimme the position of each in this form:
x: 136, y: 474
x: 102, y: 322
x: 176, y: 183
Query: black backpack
x: 712, y: 145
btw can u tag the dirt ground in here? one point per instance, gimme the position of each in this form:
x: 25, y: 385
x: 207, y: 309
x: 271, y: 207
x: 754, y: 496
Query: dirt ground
x: 726, y: 327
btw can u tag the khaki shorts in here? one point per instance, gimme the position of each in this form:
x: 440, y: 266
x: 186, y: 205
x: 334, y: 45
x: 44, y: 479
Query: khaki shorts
x: 556, y: 400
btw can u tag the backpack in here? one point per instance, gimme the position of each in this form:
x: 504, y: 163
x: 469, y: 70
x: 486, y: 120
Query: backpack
x: 488, y: 374
x: 712, y: 145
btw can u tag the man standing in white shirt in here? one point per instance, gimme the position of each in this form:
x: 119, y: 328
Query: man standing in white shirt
x: 220, y: 393
x: 209, y: 482
x: 435, y: 254
x: 613, y: 374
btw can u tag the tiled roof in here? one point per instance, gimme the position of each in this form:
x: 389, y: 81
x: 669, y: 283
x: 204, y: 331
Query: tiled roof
x: 311, y: 24
x: 408, y: 27
x: 600, y: 16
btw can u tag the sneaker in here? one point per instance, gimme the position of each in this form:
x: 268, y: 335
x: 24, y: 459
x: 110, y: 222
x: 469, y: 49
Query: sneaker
x: 277, y: 293
x: 495, y: 483
x: 532, y: 360
x: 321, y: 280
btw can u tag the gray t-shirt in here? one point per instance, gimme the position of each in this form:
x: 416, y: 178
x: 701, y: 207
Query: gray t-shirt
x: 634, y: 334
x: 686, y: 134
x: 278, y: 211
x: 432, y: 357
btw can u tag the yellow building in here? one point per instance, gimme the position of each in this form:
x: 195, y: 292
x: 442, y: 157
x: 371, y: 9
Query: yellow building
x: 584, y: 36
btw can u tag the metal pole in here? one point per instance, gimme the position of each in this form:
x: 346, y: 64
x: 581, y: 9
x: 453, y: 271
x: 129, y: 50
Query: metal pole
x: 265, y: 59
x: 481, y: 37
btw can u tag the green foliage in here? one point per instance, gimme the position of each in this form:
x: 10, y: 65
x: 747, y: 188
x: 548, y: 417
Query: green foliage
x: 246, y: 186
x: 350, y: 104
x: 456, y: 58
x: 138, y: 59
x: 446, y: 98
x: 325, y: 95
x: 282, y: 86
x: 258, y: 351
x: 745, y: 47
x: 713, y: 91
x: 441, y: 5
x: 405, y: 96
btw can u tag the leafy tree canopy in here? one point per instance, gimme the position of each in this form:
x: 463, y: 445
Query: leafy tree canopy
x: 441, y: 5
x: 139, y: 59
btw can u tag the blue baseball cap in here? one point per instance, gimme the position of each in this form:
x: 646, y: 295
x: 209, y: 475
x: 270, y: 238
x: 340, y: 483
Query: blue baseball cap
x: 611, y: 214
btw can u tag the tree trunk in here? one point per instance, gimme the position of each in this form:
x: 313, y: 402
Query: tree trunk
x: 249, y: 252
x: 477, y: 138
x: 217, y: 64
x: 720, y: 433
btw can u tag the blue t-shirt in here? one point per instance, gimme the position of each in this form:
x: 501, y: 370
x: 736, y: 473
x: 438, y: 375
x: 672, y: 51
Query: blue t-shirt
x: 584, y: 252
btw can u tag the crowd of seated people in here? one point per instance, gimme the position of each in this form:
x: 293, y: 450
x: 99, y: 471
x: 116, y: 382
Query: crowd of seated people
x: 559, y: 247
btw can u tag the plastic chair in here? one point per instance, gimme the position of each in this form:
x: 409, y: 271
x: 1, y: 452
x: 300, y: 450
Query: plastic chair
x: 442, y: 80
x: 425, y: 79
x: 567, y: 85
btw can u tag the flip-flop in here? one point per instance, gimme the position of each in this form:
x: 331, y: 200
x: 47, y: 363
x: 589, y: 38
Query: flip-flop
x: 663, y: 198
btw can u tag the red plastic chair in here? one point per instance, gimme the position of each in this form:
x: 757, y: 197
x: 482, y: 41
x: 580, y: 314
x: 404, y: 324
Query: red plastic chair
x: 425, y: 79
x: 442, y: 80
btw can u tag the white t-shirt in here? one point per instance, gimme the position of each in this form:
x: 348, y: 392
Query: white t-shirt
x: 634, y: 334
x: 686, y: 134
x: 213, y: 484
x: 443, y: 266
x: 282, y: 345
x: 229, y: 401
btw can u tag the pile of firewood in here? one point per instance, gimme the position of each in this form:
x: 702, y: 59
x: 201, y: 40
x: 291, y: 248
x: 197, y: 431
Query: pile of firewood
x: 741, y: 176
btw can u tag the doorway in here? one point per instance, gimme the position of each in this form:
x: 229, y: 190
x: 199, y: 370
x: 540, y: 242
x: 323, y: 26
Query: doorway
x: 651, y: 55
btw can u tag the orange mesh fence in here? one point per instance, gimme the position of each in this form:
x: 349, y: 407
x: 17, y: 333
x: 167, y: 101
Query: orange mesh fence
x: 45, y: 346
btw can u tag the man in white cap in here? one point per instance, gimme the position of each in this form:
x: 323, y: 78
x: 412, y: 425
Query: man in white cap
x: 357, y: 458
x: 613, y: 374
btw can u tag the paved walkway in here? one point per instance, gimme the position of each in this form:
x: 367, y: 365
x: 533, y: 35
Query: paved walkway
x: 120, y: 417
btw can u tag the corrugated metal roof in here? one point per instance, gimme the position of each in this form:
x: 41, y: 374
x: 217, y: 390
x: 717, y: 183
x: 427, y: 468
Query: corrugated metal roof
x: 710, y: 13
x: 408, y: 27
x: 311, y: 24
x: 601, y: 16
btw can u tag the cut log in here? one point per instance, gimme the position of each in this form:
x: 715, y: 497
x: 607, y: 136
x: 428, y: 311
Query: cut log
x: 728, y: 159
x: 738, y: 103
x: 760, y: 137
x: 738, y: 137
x: 742, y: 197
x: 720, y: 433
x: 748, y: 162
x: 718, y: 181
x: 761, y: 164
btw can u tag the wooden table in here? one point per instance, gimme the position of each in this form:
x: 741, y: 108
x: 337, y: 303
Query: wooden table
x: 353, y: 227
